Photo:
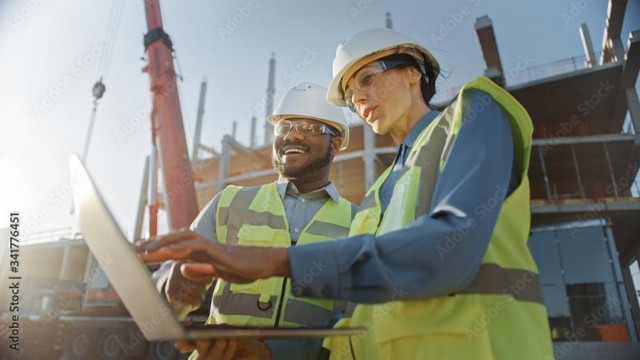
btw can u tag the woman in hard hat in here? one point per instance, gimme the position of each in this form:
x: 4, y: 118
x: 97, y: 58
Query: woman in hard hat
x: 438, y: 248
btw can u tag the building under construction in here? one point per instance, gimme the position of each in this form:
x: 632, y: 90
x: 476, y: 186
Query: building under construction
x: 585, y: 208
x: 585, y: 204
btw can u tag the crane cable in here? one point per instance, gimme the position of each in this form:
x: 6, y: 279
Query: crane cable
x: 110, y: 37
x: 105, y: 60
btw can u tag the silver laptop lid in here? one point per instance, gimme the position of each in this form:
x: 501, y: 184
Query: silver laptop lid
x: 120, y: 262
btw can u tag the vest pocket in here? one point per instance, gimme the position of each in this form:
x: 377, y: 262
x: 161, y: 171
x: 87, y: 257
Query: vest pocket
x: 250, y: 304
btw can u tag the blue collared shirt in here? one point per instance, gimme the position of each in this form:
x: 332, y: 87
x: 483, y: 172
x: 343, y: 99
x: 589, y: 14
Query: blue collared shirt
x: 301, y: 208
x: 440, y: 252
x: 401, y: 157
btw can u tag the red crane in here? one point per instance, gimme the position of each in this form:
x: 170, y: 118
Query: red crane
x: 167, y: 125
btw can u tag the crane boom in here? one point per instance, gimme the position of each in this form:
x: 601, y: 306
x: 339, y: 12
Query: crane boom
x: 167, y: 124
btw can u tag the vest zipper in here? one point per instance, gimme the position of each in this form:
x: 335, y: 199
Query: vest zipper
x: 284, y: 288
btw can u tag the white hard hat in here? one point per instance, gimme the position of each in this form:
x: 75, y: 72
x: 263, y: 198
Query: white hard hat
x: 367, y: 46
x: 308, y: 100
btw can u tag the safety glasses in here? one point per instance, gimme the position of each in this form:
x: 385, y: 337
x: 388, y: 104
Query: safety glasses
x: 303, y: 127
x: 365, y: 77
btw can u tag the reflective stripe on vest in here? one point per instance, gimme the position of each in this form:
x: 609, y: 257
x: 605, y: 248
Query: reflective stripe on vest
x: 327, y: 229
x: 244, y: 304
x: 256, y: 216
x: 431, y: 155
x: 243, y: 215
x: 296, y: 311
x: 368, y: 202
x: 305, y: 313
x: 520, y: 284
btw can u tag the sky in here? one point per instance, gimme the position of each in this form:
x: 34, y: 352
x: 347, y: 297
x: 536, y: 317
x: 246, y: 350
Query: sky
x: 52, y: 52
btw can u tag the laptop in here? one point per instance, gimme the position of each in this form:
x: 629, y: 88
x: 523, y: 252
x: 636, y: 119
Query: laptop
x: 132, y: 280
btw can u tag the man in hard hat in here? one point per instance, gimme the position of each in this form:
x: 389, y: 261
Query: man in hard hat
x: 438, y: 257
x: 302, y: 206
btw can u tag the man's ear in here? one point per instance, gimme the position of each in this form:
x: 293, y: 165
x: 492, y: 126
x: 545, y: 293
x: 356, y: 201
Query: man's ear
x: 336, y: 142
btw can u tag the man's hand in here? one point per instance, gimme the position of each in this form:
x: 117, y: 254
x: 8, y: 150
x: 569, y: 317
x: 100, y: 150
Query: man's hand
x: 236, y: 264
x: 189, y: 289
x: 226, y: 349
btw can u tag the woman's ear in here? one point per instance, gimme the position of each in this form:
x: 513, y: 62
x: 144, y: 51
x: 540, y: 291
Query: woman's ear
x: 413, y: 74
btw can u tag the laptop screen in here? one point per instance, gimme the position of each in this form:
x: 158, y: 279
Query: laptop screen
x: 119, y: 260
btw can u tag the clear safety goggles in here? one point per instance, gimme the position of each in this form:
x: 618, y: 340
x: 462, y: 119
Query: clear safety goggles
x: 303, y: 127
x: 365, y: 77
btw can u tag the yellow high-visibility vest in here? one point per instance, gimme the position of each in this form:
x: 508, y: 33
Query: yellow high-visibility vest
x: 501, y: 315
x: 255, y: 216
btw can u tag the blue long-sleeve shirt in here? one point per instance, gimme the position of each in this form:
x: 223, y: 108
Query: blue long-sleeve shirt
x: 440, y: 252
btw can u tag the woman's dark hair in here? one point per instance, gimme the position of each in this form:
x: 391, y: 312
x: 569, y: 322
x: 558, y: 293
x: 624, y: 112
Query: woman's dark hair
x: 428, y: 81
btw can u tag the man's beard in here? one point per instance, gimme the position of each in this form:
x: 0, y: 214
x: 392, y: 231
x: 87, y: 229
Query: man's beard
x: 293, y: 174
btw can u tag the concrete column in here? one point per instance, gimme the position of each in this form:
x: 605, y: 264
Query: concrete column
x: 223, y: 164
x: 612, y: 49
x: 387, y: 22
x: 369, y: 156
x: 196, y: 136
x: 633, y: 104
x: 630, y: 76
x: 142, y: 202
x: 587, y: 44
x: 252, y: 140
x: 234, y: 129
x: 622, y: 291
x: 487, y: 38
x: 268, y: 128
